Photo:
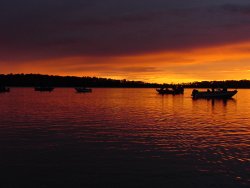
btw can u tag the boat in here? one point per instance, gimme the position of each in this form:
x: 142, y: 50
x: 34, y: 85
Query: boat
x: 49, y: 89
x: 219, y: 93
x: 4, y: 89
x: 83, y: 90
x: 173, y: 91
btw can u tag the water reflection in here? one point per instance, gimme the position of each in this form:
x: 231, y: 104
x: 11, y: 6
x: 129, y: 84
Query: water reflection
x: 130, y: 135
x: 217, y: 101
x: 222, y: 105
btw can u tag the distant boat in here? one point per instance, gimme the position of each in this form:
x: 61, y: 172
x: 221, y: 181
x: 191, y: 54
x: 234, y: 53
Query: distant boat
x: 4, y: 89
x: 173, y: 91
x: 83, y: 90
x: 220, y: 93
x: 49, y: 89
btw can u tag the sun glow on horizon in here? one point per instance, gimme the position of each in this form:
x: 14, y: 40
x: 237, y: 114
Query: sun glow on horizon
x: 225, y: 62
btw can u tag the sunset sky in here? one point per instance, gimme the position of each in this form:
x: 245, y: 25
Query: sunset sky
x: 149, y: 40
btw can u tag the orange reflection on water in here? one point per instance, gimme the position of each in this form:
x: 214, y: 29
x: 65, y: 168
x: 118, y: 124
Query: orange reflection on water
x: 110, y: 125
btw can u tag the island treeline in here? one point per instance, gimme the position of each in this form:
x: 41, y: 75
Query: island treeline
x: 34, y: 80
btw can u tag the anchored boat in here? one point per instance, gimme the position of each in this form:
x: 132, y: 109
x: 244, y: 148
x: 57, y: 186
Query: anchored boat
x: 222, y: 94
x: 4, y: 89
x: 83, y: 90
x: 49, y: 89
x: 173, y: 91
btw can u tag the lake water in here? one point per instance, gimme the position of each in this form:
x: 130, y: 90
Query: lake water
x: 123, y: 138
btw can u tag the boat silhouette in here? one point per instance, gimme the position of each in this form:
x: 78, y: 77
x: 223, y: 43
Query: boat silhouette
x: 83, y: 90
x: 174, y: 90
x: 4, y: 89
x: 49, y: 89
x: 219, y: 93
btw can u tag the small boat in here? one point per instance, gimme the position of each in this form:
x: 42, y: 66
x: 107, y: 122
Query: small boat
x: 83, y: 90
x: 221, y: 94
x: 173, y: 91
x: 49, y: 89
x: 4, y: 89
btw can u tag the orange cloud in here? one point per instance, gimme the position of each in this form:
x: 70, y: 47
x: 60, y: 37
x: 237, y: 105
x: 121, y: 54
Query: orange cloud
x: 214, y: 63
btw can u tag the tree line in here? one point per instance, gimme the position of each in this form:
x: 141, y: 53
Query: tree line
x: 34, y: 80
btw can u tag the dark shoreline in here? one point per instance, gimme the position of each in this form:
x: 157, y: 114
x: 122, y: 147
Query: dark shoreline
x: 35, y: 80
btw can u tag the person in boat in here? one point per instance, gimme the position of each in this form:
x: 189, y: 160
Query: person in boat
x: 164, y: 88
x: 179, y: 89
x: 161, y: 88
x: 194, y: 92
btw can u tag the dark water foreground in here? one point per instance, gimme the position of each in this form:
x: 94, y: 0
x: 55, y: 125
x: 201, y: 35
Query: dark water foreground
x: 123, y: 138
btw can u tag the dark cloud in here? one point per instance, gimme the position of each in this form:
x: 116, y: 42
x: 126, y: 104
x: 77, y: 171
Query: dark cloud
x: 234, y: 8
x: 51, y: 28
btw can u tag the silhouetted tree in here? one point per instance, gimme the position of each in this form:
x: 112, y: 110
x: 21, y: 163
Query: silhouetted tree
x: 34, y: 80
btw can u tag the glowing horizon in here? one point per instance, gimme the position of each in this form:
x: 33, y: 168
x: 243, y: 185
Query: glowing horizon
x: 226, y: 62
x: 152, y: 41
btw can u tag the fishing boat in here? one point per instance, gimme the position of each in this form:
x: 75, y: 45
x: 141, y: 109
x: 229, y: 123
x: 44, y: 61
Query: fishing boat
x: 83, y: 90
x: 219, y: 93
x: 173, y: 91
x: 49, y: 89
x: 4, y: 89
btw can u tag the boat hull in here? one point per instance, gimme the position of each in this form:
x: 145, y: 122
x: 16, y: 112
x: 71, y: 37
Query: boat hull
x: 5, y: 90
x: 83, y: 90
x: 213, y: 95
x: 44, y: 89
x: 173, y: 92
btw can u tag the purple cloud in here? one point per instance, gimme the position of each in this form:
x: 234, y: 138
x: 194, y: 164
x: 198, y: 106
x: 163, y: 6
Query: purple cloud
x: 46, y: 29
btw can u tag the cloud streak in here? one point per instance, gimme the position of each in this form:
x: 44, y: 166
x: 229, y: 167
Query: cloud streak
x: 46, y: 29
x: 111, y: 38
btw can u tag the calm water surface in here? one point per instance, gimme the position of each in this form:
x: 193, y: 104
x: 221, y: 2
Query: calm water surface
x: 123, y: 138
